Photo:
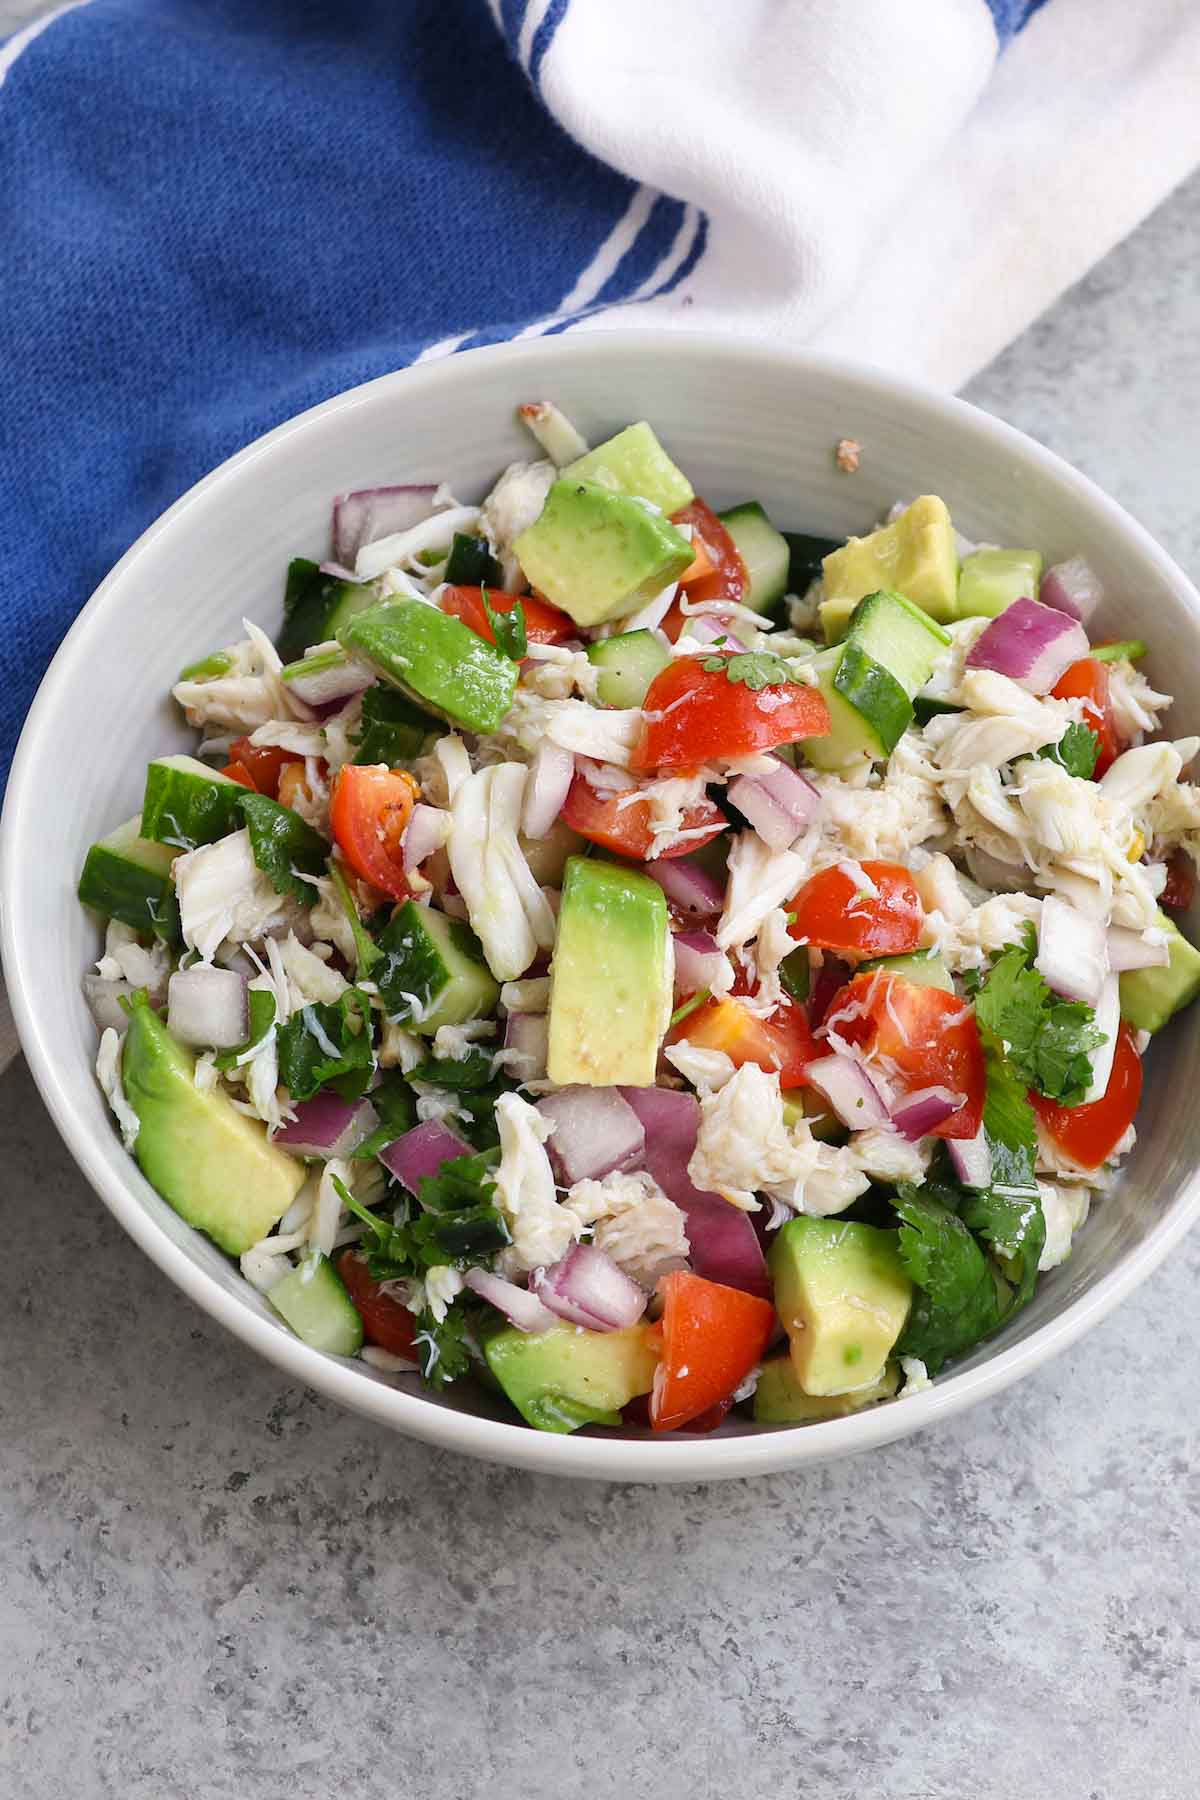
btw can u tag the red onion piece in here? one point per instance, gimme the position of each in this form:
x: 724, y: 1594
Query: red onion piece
x: 327, y: 1126
x: 827, y: 983
x: 1108, y: 1020
x: 920, y: 1113
x: 528, y: 1035
x: 207, y: 1007
x: 688, y: 887
x: 550, y: 775
x: 709, y: 628
x: 340, y: 572
x: 1129, y: 950
x: 1030, y: 643
x: 699, y: 961
x: 424, y: 833
x: 593, y: 1131
x: 1073, y: 588
x: 848, y: 1088
x: 369, y: 513
x: 1072, y: 953
x: 587, y: 1288
x: 972, y: 1159
x: 779, y: 805
x: 519, y: 1306
x: 421, y: 1152
x: 332, y: 687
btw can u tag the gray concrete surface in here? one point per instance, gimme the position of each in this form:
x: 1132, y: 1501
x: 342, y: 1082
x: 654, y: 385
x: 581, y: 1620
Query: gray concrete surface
x: 214, y: 1585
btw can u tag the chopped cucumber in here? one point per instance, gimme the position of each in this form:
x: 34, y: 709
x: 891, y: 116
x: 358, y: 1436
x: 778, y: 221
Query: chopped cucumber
x: 763, y: 550
x: 437, y: 660
x: 870, y: 679
x: 629, y: 662
x: 314, y: 1302
x: 471, y: 564
x: 924, y: 968
x: 433, y: 972
x: 990, y: 580
x: 127, y: 877
x: 186, y: 803
x: 925, y: 709
x: 806, y: 558
x: 1127, y: 650
x: 899, y: 637
x: 316, y: 606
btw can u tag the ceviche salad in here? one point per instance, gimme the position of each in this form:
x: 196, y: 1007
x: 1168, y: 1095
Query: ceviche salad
x: 643, y: 961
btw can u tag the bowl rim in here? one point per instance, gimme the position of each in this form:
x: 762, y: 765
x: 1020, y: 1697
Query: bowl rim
x: 678, y: 1458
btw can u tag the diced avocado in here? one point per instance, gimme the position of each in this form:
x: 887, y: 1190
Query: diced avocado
x: 634, y: 462
x: 314, y: 1301
x: 433, y: 971
x: 869, y: 680
x: 127, y: 877
x: 990, y: 580
x: 843, y: 1297
x: 835, y: 616
x: 215, y: 1166
x: 763, y: 550
x: 780, y: 1400
x: 610, y: 981
x: 563, y: 1378
x: 628, y: 664
x: 186, y: 803
x: 597, y: 553
x: 471, y: 564
x: 316, y: 606
x: 436, y: 659
x: 806, y: 1106
x: 915, y: 555
x: 924, y: 968
x: 1149, y: 997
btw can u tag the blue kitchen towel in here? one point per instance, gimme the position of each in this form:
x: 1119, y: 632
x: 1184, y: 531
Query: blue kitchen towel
x: 217, y: 212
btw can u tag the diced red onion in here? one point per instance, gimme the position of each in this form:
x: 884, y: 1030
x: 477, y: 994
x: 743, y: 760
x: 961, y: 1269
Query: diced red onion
x: 711, y: 628
x: 369, y: 513
x: 972, y: 1159
x: 550, y: 775
x: 519, y: 1306
x: 332, y: 686
x: 207, y: 1007
x: 340, y: 572
x: 587, y: 1288
x: 920, y: 1113
x: 1108, y: 1020
x: 699, y: 961
x: 593, y: 1131
x: 827, y: 982
x: 849, y: 1090
x: 687, y: 886
x: 1072, y: 953
x: 421, y: 1152
x: 1129, y: 950
x: 1073, y: 588
x: 424, y: 833
x: 1030, y: 643
x: 528, y: 1035
x: 327, y: 1126
x: 779, y: 805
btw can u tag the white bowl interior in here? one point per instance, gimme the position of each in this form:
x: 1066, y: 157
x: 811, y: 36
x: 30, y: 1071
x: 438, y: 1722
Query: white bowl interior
x: 745, y: 422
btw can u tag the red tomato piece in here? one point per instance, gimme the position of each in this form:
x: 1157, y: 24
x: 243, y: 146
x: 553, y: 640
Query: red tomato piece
x: 626, y: 829
x: 712, y: 1336
x: 725, y: 578
x: 694, y: 715
x: 1180, y: 890
x: 835, y: 912
x: 782, y: 1043
x: 370, y: 808
x: 385, y: 1320
x: 928, y: 1037
x: 237, y: 771
x: 1089, y: 1134
x: 544, y: 624
x: 264, y: 763
x: 1090, y: 681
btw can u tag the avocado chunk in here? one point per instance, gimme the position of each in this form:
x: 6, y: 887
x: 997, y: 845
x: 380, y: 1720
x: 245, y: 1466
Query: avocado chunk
x: 805, y: 1106
x: 316, y: 606
x: 215, y: 1166
x: 128, y: 877
x: 628, y: 664
x: 835, y: 617
x: 780, y: 1400
x: 186, y: 803
x: 915, y: 555
x: 435, y: 659
x: 924, y: 968
x: 433, y: 971
x: 1149, y: 997
x: 610, y: 980
x: 563, y: 1378
x: 843, y: 1297
x: 634, y: 462
x: 990, y: 580
x: 598, y: 554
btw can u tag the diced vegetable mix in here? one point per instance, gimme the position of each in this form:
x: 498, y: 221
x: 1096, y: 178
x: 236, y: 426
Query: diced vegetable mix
x: 644, y: 959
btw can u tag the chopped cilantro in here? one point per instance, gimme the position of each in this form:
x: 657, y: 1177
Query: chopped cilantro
x: 956, y: 1302
x: 443, y: 1348
x: 472, y: 1071
x: 755, y: 669
x: 689, y: 1006
x: 392, y: 729
x: 366, y: 951
x: 393, y: 1101
x: 281, y: 843
x: 328, y: 1045
x: 1047, y: 1041
x: 1076, y: 751
x: 1008, y: 1214
x: 508, y: 628
x: 455, y: 1222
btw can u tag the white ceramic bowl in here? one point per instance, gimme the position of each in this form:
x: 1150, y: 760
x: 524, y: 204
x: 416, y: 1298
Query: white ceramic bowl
x: 743, y: 420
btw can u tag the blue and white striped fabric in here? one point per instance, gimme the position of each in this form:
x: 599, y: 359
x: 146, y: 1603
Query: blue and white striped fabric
x: 217, y: 212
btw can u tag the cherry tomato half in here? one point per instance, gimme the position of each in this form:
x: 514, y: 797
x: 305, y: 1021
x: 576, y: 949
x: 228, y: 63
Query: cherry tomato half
x: 782, y: 1043
x: 369, y: 810
x: 544, y: 624
x: 695, y: 714
x: 385, y: 1320
x: 1091, y: 681
x: 712, y: 1336
x: 1089, y: 1134
x: 836, y: 910
x: 626, y: 829
x: 264, y: 763
x: 925, y: 1036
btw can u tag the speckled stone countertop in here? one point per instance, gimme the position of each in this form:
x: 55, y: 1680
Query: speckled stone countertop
x: 217, y: 1587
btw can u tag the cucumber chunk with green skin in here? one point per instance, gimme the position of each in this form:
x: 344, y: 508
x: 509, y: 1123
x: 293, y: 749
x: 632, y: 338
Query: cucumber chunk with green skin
x: 471, y: 564
x: 843, y: 1298
x: 432, y: 971
x: 316, y: 606
x: 805, y: 1106
x: 763, y: 550
x: 869, y: 680
x: 314, y: 1302
x: 128, y: 877
x: 628, y: 664
x: 924, y: 710
x: 634, y: 462
x: 780, y: 1400
x: 1149, y: 997
x: 990, y: 580
x: 563, y: 1378
x: 806, y: 558
x: 610, y: 980
x: 924, y: 968
x: 915, y: 555
x: 851, y: 735
x: 598, y: 554
x: 1127, y: 650
x: 437, y: 660
x: 874, y: 694
x: 899, y: 637
x: 186, y: 803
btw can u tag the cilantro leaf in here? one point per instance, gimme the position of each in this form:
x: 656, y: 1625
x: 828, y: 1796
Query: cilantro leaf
x: 1076, y: 751
x: 328, y: 1044
x: 456, y: 1222
x: 392, y: 728
x: 755, y: 669
x: 508, y: 628
x: 1008, y: 1214
x: 282, y: 842
x: 472, y: 1071
x: 366, y: 951
x: 443, y: 1348
x: 397, y: 1110
x: 1047, y: 1041
x: 262, y: 1017
x: 956, y: 1302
